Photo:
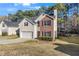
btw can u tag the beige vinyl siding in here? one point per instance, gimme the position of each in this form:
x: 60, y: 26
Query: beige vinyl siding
x: 30, y: 27
x: 12, y: 30
x: 1, y: 27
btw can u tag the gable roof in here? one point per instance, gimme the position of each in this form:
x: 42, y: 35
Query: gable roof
x: 32, y: 20
x: 44, y: 15
x: 29, y: 20
x: 10, y: 23
x: 16, y: 24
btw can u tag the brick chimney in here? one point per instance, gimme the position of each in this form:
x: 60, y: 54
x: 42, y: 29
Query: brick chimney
x: 55, y: 25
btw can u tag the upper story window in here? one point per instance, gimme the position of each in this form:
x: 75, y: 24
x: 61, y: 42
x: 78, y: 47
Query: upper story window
x: 38, y: 23
x: 47, y: 23
x: 42, y: 23
x: 3, y: 25
x: 26, y: 24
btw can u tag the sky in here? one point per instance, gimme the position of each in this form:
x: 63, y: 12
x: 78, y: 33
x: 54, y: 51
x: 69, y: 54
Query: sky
x: 6, y: 8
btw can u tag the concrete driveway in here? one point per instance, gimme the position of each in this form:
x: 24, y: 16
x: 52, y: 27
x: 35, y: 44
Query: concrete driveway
x: 11, y: 41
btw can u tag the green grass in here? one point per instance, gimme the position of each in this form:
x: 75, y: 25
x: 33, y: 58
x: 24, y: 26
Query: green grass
x: 71, y: 39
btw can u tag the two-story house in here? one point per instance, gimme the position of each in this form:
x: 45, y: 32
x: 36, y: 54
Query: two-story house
x: 44, y: 25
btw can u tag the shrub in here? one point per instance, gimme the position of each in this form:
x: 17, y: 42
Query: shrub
x: 4, y: 33
x: 12, y: 36
x: 45, y: 38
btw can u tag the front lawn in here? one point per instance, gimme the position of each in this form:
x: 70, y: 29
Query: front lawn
x: 71, y: 39
x: 9, y: 37
x: 29, y: 48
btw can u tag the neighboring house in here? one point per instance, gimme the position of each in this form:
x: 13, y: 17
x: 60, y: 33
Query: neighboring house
x: 44, y: 25
x: 8, y: 27
x: 24, y: 28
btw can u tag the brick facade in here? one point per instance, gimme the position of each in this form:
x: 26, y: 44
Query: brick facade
x: 45, y: 28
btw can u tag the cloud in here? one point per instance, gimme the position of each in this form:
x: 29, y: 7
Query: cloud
x: 23, y: 4
x: 26, y: 4
x: 11, y: 9
x: 32, y: 8
x: 16, y: 4
x: 37, y: 7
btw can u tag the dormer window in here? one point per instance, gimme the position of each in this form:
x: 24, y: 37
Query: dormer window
x: 26, y: 24
x: 3, y: 25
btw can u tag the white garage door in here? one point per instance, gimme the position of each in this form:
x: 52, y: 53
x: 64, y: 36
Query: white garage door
x: 26, y: 34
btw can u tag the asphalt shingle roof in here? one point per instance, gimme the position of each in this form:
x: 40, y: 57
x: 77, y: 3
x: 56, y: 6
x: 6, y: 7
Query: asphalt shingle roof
x: 10, y: 23
x: 16, y: 24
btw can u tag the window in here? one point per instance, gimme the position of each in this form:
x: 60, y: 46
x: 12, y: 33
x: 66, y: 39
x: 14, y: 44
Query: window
x: 38, y: 23
x: 3, y: 25
x: 38, y: 33
x: 26, y: 24
x: 47, y: 33
x: 42, y: 23
x: 47, y: 23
